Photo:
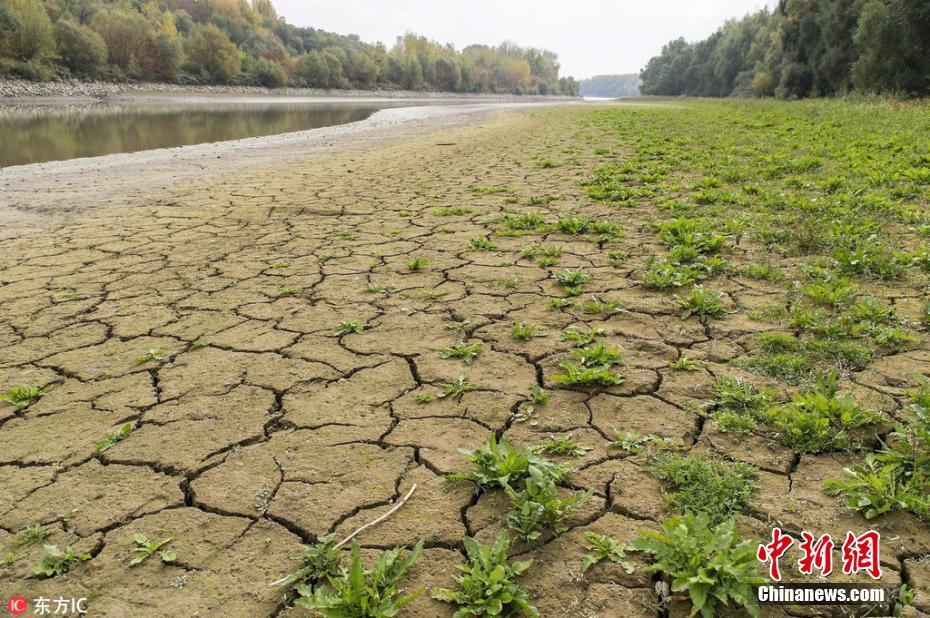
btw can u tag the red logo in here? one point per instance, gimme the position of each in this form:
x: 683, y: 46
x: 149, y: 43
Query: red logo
x: 17, y: 605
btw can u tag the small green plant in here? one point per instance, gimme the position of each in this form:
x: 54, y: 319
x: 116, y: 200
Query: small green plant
x: 371, y: 288
x: 480, y: 243
x: 117, y: 436
x: 580, y: 339
x: 573, y: 225
x: 546, y: 164
x: 288, y: 292
x: 635, y: 443
x: 32, y: 534
x: 617, y: 258
x: 146, y: 548
x: 718, y: 488
x: 452, y: 211
x: 537, y: 398
x: 683, y: 363
x: 347, y: 327
x: 155, y: 354
x: 57, y: 562
x: 537, y: 505
x: 706, y: 560
x: 590, y: 366
x: 468, y: 352
x: 360, y: 592
x: 487, y: 585
x: 572, y: 279
x: 522, y: 332
x: 819, y: 420
x: 21, y: 397
x: 602, y: 547
x: 511, y: 283
x: 765, y: 272
x: 432, y: 294
x: 594, y: 306
x: 497, y: 464
x: 281, y: 264
x: 897, y: 477
x: 455, y: 389
x: 563, y: 445
x: 320, y: 560
x: 560, y: 303
x: 417, y: 264
x: 423, y: 397
x: 198, y: 344
x: 575, y: 375
x: 832, y: 292
x: 702, y: 302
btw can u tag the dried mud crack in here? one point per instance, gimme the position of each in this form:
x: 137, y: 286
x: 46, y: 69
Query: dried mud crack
x: 272, y: 339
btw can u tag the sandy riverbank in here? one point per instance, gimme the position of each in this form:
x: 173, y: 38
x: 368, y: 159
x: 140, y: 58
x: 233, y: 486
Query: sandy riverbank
x: 75, y: 185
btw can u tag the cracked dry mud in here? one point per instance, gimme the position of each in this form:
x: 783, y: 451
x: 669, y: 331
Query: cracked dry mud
x: 277, y: 431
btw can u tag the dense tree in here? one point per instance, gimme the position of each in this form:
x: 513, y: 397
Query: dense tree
x: 211, y: 54
x: 26, y: 31
x: 82, y: 50
x: 803, y: 48
x: 245, y: 41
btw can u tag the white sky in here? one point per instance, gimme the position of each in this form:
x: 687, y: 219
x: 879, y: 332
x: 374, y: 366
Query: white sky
x: 591, y: 37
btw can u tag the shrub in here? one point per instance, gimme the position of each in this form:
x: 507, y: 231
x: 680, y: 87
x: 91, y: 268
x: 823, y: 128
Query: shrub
x: 211, y: 54
x: 82, y: 50
x: 267, y: 73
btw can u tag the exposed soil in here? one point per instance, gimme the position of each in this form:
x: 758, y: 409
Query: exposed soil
x: 273, y: 431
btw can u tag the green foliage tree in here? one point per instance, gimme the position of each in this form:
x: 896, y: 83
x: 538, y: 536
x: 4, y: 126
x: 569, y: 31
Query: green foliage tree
x: 267, y: 73
x: 26, y: 31
x: 83, y: 51
x: 212, y: 54
x: 803, y: 48
x: 126, y: 34
x: 237, y: 41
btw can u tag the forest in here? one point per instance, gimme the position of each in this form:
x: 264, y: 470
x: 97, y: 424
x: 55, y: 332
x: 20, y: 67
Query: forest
x: 803, y: 48
x: 612, y: 86
x: 241, y: 42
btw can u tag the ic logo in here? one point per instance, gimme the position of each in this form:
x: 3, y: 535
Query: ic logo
x: 17, y: 605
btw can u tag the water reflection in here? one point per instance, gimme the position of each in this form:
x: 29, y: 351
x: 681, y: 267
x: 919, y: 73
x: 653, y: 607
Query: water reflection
x: 33, y: 134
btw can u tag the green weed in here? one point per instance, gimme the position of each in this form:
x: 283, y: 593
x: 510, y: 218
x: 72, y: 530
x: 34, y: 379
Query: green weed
x: 706, y: 560
x: 57, y: 562
x: 602, y: 547
x: 146, y: 548
x: 468, y: 352
x: 348, y: 327
x: 21, y: 397
x: 111, y: 440
x: 361, y: 592
x: 523, y: 332
x: 487, y: 584
x: 715, y: 487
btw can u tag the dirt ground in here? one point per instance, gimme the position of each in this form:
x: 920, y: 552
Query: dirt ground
x: 257, y: 429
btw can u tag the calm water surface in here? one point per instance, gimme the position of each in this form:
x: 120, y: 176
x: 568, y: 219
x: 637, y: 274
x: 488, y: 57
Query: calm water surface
x: 34, y: 134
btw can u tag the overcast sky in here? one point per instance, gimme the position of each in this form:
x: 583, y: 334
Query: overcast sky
x: 591, y: 37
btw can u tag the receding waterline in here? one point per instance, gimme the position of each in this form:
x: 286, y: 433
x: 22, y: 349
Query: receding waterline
x: 40, y: 133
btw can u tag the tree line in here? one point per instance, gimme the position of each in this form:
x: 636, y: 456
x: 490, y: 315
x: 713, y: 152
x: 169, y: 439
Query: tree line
x: 803, y: 48
x: 242, y: 42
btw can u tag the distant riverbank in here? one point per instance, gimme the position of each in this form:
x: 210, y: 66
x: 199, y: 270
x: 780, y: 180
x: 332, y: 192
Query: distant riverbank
x: 22, y: 89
